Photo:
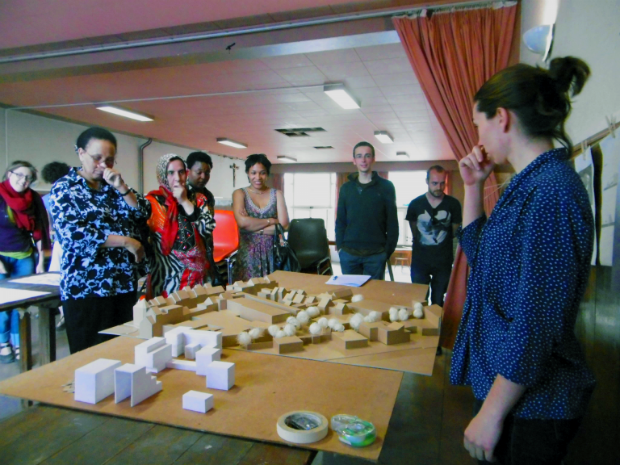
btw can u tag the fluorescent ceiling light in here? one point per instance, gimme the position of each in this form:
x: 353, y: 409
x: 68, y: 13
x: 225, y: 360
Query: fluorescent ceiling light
x: 338, y: 93
x: 287, y: 159
x: 125, y: 113
x: 402, y: 154
x: 384, y: 137
x: 231, y: 143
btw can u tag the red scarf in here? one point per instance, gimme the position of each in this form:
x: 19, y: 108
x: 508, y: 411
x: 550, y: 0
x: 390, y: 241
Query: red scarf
x: 171, y: 226
x: 29, y: 212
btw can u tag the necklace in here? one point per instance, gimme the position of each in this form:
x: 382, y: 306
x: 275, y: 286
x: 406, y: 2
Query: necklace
x: 254, y: 191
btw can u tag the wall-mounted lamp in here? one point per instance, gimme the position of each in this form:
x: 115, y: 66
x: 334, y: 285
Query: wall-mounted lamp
x: 231, y: 143
x: 384, y: 137
x: 339, y: 94
x: 539, y: 39
x: 286, y: 159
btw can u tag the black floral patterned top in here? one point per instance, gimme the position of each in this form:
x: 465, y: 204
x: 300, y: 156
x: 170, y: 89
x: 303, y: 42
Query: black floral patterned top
x: 84, y: 218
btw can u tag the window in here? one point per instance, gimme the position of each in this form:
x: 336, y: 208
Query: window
x: 312, y: 195
x: 408, y: 186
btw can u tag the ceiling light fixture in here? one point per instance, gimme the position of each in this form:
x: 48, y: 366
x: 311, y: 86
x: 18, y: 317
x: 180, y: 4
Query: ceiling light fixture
x: 539, y: 40
x: 125, y: 113
x: 287, y: 159
x: 402, y: 154
x: 339, y: 94
x: 231, y: 143
x: 384, y: 137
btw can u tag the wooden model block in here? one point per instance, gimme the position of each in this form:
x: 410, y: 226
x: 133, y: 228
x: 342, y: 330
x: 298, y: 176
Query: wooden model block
x: 430, y: 331
x: 284, y: 305
x: 221, y: 375
x: 299, y: 298
x: 310, y: 300
x: 324, y: 302
x: 393, y: 333
x: 133, y: 381
x: 339, y: 308
x: 205, y: 357
x: 342, y: 293
x: 196, y: 401
x: 289, y: 297
x: 306, y: 338
x: 287, y: 345
x: 411, y: 326
x: 252, y: 310
x: 349, y: 339
x: 280, y: 294
x: 95, y: 381
x: 370, y: 330
x: 259, y: 345
x: 433, y: 315
x: 327, y: 335
x: 229, y: 324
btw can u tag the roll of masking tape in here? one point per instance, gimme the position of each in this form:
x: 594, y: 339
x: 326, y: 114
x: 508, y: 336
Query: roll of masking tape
x: 302, y: 427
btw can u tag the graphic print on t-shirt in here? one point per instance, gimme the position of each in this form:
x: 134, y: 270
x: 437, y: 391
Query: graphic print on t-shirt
x: 433, y: 228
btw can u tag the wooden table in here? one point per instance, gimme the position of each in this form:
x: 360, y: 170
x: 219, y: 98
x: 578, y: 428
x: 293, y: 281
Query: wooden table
x: 266, y: 387
x: 47, y: 305
x: 50, y: 435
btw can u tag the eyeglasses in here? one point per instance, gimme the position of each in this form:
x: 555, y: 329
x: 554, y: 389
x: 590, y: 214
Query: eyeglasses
x: 25, y: 177
x: 98, y: 159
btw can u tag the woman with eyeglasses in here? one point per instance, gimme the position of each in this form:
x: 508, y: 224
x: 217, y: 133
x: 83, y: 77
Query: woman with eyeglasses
x: 98, y: 219
x: 24, y: 229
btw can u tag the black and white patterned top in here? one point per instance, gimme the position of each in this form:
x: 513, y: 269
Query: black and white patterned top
x: 84, y: 218
x: 530, y: 263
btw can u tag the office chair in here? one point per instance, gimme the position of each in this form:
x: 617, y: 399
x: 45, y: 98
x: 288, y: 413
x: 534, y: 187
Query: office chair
x: 308, y: 239
x: 225, y: 241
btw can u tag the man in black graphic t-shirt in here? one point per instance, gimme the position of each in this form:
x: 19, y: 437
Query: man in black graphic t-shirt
x: 433, y: 218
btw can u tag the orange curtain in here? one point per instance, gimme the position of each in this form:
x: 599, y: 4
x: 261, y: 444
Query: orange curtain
x: 452, y: 54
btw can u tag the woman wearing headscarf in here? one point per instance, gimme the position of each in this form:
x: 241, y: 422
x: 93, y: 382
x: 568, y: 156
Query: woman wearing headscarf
x: 23, y: 219
x: 180, y: 225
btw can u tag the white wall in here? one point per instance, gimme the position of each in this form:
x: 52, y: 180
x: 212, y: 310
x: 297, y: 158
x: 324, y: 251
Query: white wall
x: 590, y: 30
x: 41, y: 140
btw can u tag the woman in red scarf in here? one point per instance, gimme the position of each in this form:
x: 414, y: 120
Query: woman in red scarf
x: 23, y: 223
x: 180, y: 225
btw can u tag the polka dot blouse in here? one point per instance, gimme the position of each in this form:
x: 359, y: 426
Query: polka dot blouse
x: 530, y: 263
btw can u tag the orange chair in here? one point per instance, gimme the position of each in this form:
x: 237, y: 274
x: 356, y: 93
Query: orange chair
x: 225, y: 240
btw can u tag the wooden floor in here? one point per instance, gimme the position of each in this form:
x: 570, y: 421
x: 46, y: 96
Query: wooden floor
x: 426, y: 428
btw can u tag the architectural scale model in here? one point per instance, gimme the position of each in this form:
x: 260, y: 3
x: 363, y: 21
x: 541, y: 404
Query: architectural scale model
x: 261, y: 316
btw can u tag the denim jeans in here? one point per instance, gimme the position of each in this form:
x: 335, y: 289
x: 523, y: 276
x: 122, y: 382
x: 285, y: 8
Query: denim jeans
x: 9, y: 320
x: 373, y: 265
x: 437, y: 275
x: 532, y: 442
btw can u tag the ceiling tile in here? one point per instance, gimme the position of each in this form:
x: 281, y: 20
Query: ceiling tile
x: 333, y: 56
x: 286, y: 61
x: 392, y: 66
x: 381, y: 52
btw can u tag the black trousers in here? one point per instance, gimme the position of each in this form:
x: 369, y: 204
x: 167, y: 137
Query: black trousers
x: 84, y: 318
x: 437, y: 274
x: 532, y: 442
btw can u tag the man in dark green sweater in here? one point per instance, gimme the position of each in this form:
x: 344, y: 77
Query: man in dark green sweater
x: 367, y: 224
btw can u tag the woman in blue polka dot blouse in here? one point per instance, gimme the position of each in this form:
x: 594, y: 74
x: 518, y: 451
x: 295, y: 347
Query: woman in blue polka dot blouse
x: 530, y: 262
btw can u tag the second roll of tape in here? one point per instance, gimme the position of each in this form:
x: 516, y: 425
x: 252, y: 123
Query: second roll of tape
x: 302, y: 427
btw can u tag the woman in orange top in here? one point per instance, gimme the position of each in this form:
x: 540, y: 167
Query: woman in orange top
x: 180, y: 225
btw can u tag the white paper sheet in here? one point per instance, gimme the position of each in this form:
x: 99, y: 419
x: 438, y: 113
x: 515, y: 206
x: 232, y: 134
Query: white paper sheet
x: 49, y: 279
x: 351, y: 280
x: 585, y: 169
x: 14, y: 295
x: 610, y: 147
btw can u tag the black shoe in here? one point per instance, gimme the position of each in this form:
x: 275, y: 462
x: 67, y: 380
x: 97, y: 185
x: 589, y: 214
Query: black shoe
x: 439, y: 351
x: 6, y: 353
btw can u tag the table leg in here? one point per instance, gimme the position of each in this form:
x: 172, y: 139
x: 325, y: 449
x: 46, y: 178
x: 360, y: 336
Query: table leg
x: 47, y: 335
x: 25, y: 340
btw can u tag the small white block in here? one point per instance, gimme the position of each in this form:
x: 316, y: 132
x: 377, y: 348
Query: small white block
x: 221, y: 375
x: 191, y: 349
x: 133, y: 380
x: 206, y: 356
x: 95, y: 381
x: 186, y: 365
x: 175, y: 337
x: 156, y: 360
x: 196, y: 401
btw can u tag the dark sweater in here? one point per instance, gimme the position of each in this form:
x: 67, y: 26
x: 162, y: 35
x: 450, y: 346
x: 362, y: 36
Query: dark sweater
x: 12, y: 238
x: 367, y: 219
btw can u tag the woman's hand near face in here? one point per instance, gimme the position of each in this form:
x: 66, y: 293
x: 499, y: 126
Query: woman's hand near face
x: 179, y: 193
x: 476, y: 167
x: 114, y: 179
